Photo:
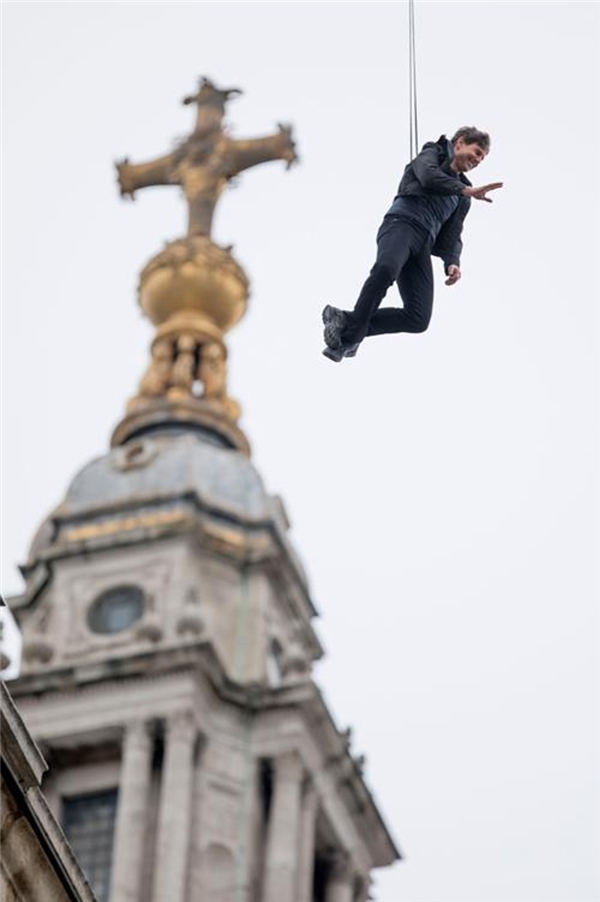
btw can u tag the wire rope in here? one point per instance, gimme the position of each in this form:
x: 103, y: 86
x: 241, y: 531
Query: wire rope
x: 412, y: 82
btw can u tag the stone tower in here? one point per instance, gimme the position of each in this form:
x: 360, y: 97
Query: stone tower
x: 166, y: 620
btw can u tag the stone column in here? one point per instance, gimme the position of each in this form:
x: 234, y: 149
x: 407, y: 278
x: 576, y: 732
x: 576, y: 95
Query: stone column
x: 284, y: 830
x: 174, y: 812
x: 340, y: 883
x: 130, y: 826
x: 308, y: 823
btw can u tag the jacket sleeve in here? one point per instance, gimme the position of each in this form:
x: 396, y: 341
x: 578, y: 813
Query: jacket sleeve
x: 448, y: 244
x: 430, y: 175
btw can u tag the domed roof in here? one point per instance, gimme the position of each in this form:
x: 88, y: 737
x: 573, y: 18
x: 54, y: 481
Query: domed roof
x: 152, y: 469
x: 171, y: 465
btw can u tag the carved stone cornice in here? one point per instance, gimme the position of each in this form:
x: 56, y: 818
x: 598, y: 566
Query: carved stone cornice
x: 166, y: 664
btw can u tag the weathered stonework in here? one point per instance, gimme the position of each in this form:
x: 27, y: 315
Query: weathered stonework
x: 168, y: 641
x: 36, y: 864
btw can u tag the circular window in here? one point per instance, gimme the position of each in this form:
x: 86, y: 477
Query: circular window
x: 116, y: 609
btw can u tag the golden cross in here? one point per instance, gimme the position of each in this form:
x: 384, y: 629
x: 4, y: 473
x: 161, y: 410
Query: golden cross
x: 204, y: 163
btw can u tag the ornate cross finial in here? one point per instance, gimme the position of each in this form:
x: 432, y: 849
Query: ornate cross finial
x: 193, y: 290
x: 205, y: 162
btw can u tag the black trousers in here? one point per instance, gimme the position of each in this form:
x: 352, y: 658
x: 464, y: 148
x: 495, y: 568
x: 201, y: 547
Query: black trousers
x: 404, y: 257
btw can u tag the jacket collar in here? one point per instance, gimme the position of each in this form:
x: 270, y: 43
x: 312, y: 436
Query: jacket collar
x: 446, y: 147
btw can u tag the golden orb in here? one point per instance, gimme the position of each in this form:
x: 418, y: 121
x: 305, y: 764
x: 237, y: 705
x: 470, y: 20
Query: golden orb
x: 194, y: 275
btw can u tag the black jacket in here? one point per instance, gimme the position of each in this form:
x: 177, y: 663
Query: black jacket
x: 429, y: 173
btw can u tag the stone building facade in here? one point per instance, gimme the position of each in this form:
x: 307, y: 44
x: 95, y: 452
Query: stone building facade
x: 167, y: 629
x: 36, y: 862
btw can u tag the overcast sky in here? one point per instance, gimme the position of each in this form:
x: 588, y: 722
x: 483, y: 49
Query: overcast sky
x: 443, y: 488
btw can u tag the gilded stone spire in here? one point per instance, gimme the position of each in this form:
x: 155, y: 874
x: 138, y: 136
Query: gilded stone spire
x: 193, y: 291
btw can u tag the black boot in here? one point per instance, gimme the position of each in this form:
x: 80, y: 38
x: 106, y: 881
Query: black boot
x: 335, y: 322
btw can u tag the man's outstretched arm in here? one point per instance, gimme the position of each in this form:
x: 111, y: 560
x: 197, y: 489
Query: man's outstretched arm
x: 480, y: 193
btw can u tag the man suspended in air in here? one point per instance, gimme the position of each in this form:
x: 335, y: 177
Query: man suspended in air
x: 425, y: 219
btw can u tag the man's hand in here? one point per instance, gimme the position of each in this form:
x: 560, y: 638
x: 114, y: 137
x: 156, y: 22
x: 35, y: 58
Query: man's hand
x: 453, y: 272
x: 480, y: 193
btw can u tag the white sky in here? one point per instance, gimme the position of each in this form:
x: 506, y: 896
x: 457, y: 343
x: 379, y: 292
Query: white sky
x: 443, y: 488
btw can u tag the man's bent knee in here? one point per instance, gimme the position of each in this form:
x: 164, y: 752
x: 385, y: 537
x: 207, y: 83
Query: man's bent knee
x: 417, y: 324
x: 384, y: 273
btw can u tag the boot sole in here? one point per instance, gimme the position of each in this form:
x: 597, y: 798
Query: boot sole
x: 334, y: 321
x: 335, y: 354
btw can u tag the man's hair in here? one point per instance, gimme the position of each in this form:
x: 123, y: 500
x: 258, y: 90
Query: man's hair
x: 472, y: 135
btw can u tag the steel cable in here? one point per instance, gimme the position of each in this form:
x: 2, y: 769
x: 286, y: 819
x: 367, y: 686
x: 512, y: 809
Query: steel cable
x: 412, y: 82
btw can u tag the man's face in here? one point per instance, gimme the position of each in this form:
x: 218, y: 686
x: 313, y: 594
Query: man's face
x: 467, y: 156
